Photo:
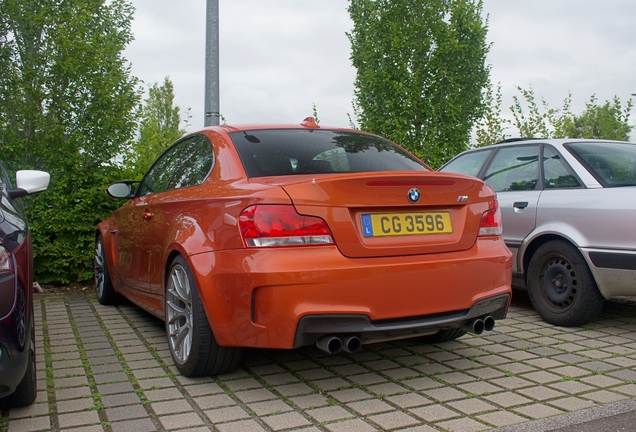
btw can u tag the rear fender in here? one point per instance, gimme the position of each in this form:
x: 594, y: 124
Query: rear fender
x: 554, y: 231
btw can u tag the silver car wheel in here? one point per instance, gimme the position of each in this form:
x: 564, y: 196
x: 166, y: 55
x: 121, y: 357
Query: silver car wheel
x: 179, y: 314
x: 560, y: 285
x: 99, y: 268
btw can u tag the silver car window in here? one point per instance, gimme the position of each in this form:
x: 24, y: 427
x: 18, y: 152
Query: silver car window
x: 613, y: 164
x: 469, y: 163
x: 514, y: 168
x: 555, y: 171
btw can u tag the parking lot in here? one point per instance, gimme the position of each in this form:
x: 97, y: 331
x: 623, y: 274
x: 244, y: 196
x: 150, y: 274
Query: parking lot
x: 108, y: 369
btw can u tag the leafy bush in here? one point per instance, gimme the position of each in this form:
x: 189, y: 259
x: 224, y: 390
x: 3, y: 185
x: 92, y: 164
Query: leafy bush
x: 67, y: 106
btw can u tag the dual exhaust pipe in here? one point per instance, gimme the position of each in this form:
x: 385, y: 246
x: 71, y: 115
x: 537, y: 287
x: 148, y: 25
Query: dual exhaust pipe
x: 334, y: 344
x: 352, y: 344
x: 479, y: 325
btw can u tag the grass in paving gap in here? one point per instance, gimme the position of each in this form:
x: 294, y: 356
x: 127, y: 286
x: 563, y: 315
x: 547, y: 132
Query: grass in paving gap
x: 435, y: 376
x: 95, y: 395
x: 153, y: 351
x: 407, y: 347
x: 352, y: 385
x: 330, y: 401
x: 48, y: 360
x: 131, y: 377
x: 238, y: 402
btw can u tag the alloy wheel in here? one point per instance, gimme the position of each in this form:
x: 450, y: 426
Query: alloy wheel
x: 99, y: 268
x: 179, y: 314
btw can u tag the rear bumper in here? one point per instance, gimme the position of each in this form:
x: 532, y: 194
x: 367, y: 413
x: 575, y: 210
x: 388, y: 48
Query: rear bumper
x: 313, y: 327
x: 259, y: 297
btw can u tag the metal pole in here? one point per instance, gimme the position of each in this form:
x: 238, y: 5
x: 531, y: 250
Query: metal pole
x: 212, y: 106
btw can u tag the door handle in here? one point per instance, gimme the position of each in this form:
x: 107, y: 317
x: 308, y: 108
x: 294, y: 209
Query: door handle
x: 520, y: 204
x: 147, y: 216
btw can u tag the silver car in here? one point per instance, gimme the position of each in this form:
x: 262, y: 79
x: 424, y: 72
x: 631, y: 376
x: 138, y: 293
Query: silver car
x: 570, y: 221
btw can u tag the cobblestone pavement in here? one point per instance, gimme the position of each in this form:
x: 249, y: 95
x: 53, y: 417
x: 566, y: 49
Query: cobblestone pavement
x: 108, y: 369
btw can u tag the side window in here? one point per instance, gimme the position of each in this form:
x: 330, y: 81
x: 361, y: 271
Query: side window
x: 469, y: 163
x: 555, y: 171
x: 514, y: 168
x: 196, y: 158
x: 187, y: 163
x: 158, y: 177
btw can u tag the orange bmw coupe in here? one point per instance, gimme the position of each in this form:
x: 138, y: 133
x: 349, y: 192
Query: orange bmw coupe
x: 283, y: 236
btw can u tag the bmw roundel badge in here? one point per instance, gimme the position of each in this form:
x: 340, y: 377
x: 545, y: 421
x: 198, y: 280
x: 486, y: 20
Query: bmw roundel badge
x: 414, y: 195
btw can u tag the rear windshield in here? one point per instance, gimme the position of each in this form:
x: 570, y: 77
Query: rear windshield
x: 299, y: 151
x: 612, y: 164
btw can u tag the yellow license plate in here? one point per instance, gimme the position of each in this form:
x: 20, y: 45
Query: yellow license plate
x: 399, y: 224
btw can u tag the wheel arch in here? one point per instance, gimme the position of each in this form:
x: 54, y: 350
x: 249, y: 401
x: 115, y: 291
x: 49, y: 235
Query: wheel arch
x: 550, y: 229
x: 169, y: 260
x: 533, y: 245
x: 531, y: 248
x: 172, y: 256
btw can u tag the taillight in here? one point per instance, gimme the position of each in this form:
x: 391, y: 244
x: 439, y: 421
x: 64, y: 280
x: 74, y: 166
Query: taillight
x: 490, y: 224
x: 281, y: 225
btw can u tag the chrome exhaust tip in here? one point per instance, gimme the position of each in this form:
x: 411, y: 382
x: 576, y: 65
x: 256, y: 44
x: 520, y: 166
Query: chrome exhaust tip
x: 475, y: 326
x: 329, y: 344
x: 478, y: 326
x: 489, y: 323
x: 351, y: 344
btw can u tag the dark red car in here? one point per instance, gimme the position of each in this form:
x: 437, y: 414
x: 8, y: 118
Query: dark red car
x: 17, y: 328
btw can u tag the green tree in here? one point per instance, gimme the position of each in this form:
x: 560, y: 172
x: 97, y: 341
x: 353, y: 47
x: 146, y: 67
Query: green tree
x: 607, y: 121
x: 491, y: 128
x: 158, y: 128
x: 67, y: 106
x: 540, y: 121
x: 421, y: 69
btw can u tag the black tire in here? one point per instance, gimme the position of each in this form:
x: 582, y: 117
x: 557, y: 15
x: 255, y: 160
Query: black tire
x: 106, y: 294
x: 561, y: 287
x: 192, y: 345
x: 26, y: 392
x: 442, y: 336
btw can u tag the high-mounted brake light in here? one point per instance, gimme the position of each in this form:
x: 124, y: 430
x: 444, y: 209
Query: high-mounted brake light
x: 280, y: 226
x: 490, y: 224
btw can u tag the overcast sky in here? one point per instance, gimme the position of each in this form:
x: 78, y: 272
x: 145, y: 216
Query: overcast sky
x: 279, y: 57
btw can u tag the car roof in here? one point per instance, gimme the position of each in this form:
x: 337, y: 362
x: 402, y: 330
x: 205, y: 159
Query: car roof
x: 307, y: 123
x: 554, y: 141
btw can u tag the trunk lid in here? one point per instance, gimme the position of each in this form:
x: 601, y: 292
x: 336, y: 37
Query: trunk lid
x: 370, y: 215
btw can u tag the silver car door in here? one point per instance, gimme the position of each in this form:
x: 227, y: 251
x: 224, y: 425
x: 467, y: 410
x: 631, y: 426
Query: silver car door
x: 514, y: 174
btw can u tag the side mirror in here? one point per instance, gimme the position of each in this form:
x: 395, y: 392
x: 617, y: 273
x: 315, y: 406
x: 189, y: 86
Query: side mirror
x: 29, y: 182
x: 120, y: 190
